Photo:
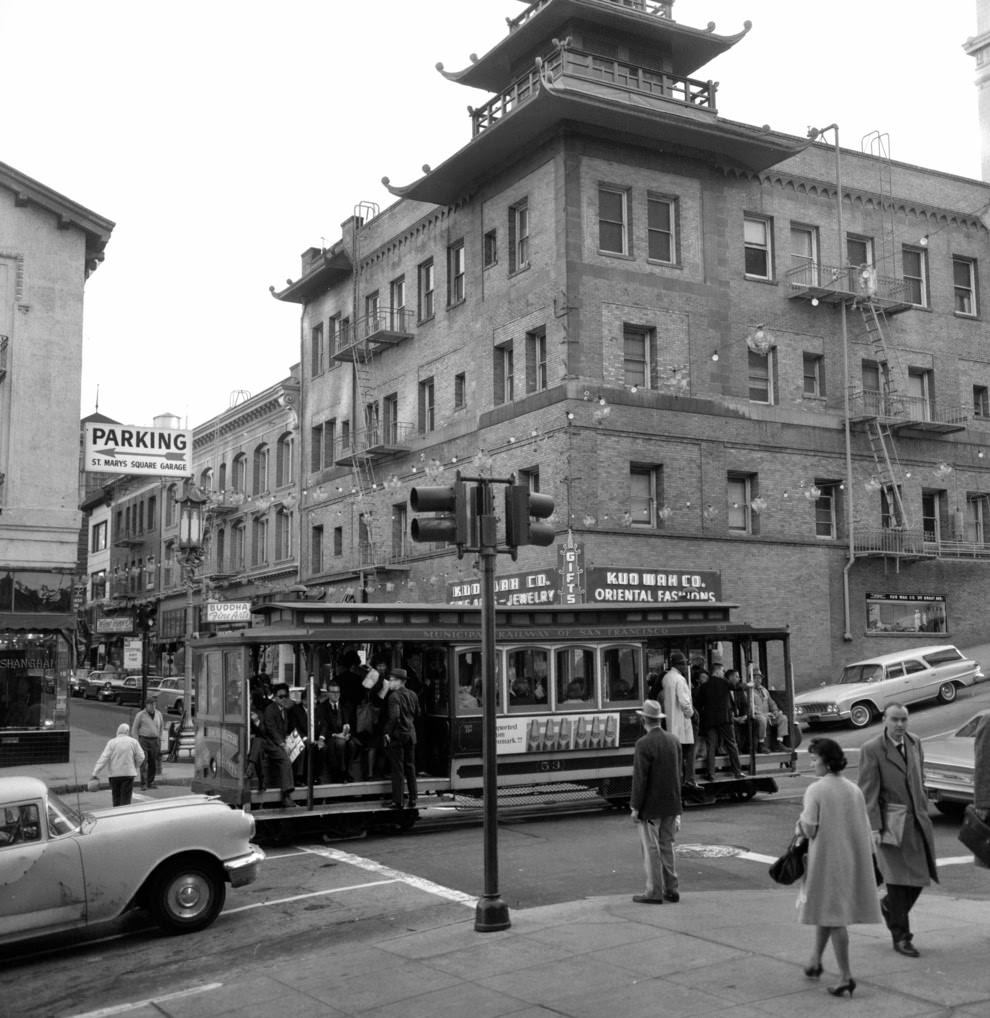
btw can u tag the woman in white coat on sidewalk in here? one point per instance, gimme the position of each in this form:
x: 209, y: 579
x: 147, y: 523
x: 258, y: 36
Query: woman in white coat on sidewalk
x: 123, y: 757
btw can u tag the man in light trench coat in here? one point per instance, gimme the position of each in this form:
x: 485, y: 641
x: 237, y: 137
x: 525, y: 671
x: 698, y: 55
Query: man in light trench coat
x: 890, y: 775
x: 679, y: 708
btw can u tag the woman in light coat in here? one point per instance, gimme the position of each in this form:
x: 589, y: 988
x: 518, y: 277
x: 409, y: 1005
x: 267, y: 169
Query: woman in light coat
x: 123, y: 757
x: 839, y: 886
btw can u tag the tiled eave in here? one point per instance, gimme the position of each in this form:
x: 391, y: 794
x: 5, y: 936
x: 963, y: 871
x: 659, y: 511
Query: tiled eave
x: 335, y: 265
x: 687, y: 48
x: 662, y: 126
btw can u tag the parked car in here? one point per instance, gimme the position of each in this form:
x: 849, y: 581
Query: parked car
x: 94, y: 682
x: 121, y: 689
x: 865, y: 688
x: 171, y: 694
x: 77, y: 683
x: 950, y: 766
x: 62, y: 870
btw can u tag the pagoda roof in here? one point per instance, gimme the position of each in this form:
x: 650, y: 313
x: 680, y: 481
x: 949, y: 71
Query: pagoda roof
x: 689, y: 48
x: 334, y: 264
x: 660, y: 125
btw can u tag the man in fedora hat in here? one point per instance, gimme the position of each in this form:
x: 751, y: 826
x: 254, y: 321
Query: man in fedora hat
x: 656, y: 804
x: 679, y: 707
x: 400, y: 736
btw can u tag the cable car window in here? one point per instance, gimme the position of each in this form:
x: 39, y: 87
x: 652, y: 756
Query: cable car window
x: 575, y: 674
x: 470, y: 695
x: 529, y: 674
x: 621, y: 667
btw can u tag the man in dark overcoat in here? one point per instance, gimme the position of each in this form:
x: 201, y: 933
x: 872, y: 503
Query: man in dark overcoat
x: 656, y: 804
x: 715, y: 707
x: 890, y: 775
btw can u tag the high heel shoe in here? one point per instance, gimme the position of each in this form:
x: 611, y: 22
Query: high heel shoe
x: 838, y: 991
x: 813, y: 971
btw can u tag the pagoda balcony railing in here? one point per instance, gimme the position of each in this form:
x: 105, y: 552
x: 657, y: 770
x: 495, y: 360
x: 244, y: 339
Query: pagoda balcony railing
x: 658, y: 8
x: 916, y: 543
x: 897, y: 408
x: 599, y: 70
x: 845, y: 281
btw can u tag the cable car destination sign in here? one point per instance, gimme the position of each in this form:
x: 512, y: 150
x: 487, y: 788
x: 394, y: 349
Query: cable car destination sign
x: 127, y: 449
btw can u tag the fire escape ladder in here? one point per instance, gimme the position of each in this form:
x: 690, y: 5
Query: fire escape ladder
x: 888, y: 468
x: 363, y: 464
x: 878, y: 145
x: 875, y: 323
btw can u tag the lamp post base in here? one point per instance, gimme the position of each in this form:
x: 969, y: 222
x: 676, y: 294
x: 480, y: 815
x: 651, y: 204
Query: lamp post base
x: 491, y: 914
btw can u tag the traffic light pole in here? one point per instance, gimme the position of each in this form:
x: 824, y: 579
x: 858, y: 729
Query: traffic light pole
x: 491, y: 912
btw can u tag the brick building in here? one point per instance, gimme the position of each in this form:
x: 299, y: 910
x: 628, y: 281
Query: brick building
x: 733, y: 385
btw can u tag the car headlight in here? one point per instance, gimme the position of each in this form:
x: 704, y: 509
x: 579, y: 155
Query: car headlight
x: 798, y: 710
x: 831, y: 708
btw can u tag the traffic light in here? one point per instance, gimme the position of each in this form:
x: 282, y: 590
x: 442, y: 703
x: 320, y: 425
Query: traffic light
x: 146, y: 616
x: 521, y: 507
x: 454, y: 501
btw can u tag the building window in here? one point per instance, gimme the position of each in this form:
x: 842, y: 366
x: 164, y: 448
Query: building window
x: 372, y: 424
x: 921, y: 394
x: 316, y: 448
x: 890, y: 512
x: 914, y: 265
x: 345, y: 436
x: 762, y: 369
x: 826, y: 505
x: 964, y: 285
x: 490, y: 249
x: 519, y: 236
x: 259, y: 541
x: 531, y: 478
x: 171, y: 511
x: 285, y: 460
x: 153, y: 507
x: 333, y: 337
x: 237, y: 547
x: 859, y: 251
x: 455, y: 273
x: 98, y: 585
x: 638, y: 356
x: 427, y: 406
x: 814, y: 374
x: 645, y: 494
x: 400, y: 531
x: 239, y: 473
x: 741, y: 490
x: 372, y: 318
x: 338, y: 542
x: 329, y: 442
x: 283, y: 535
x: 804, y: 255
x: 503, y: 373
x: 220, y: 547
x: 613, y: 220
x: 660, y: 229
x: 981, y: 401
x: 397, y: 304
x: 99, y: 541
x: 390, y: 418
x: 260, y: 479
x: 316, y: 550
x: 426, y: 287
x: 316, y: 350
x: 977, y: 518
x: 757, y: 239
x: 460, y: 391
x: 536, y: 360
x: 345, y: 333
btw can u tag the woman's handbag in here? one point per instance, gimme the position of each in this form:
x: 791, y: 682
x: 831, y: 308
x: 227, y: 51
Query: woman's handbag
x: 975, y: 835
x: 791, y: 865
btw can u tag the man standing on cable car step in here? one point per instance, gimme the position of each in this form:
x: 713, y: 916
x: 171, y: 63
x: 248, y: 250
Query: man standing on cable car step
x: 275, y: 731
x: 400, y: 735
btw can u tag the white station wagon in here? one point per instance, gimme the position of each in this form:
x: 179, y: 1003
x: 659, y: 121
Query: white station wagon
x: 865, y: 688
x: 61, y: 870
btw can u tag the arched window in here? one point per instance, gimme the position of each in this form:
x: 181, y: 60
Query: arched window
x: 237, y: 547
x: 220, y: 546
x: 283, y: 535
x: 206, y: 479
x: 238, y: 479
x: 260, y: 479
x: 170, y: 505
x: 285, y: 470
x: 222, y: 478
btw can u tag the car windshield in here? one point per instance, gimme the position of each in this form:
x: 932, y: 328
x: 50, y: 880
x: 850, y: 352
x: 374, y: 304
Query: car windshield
x: 62, y: 818
x: 860, y: 673
x: 968, y: 730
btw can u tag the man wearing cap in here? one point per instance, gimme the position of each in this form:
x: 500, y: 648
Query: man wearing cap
x: 400, y: 736
x: 655, y: 803
x: 679, y: 709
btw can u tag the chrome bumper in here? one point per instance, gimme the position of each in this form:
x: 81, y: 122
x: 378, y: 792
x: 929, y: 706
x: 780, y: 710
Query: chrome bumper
x: 244, y: 869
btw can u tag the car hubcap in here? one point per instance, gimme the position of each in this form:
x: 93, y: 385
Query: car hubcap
x: 189, y: 895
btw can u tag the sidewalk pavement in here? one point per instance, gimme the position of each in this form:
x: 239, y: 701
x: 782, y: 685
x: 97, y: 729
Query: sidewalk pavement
x: 718, y: 954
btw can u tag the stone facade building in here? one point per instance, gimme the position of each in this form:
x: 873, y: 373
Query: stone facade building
x: 747, y: 366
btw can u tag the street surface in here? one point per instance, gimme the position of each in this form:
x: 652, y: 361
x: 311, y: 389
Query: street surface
x: 312, y: 896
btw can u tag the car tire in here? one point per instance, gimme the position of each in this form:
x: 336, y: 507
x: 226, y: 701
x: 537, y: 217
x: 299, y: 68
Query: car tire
x: 860, y: 715
x: 187, y: 896
x: 947, y: 692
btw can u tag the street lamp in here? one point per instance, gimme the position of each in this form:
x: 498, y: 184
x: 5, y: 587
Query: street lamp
x: 190, y: 557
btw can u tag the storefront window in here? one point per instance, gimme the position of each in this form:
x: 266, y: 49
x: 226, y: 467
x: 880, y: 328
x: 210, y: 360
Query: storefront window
x: 905, y: 613
x: 33, y: 680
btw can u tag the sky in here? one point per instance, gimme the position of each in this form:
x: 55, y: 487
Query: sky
x: 225, y: 137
